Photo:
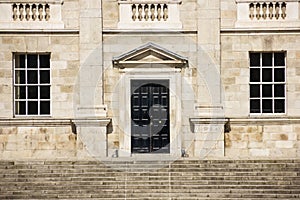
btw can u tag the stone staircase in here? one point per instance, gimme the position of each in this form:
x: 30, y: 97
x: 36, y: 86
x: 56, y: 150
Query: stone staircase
x: 181, y: 179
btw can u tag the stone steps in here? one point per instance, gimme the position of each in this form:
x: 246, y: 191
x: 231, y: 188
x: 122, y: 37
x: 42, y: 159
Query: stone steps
x: 182, y: 179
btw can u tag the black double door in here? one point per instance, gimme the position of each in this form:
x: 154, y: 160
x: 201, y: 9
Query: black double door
x: 150, y: 119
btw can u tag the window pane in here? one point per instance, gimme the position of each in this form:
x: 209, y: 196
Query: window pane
x: 32, y: 61
x: 20, y: 92
x: 267, y: 90
x: 254, y: 106
x: 267, y: 106
x: 32, y: 107
x: 279, y: 75
x: 267, y: 75
x: 32, y: 92
x: 20, y: 108
x: 45, y: 107
x: 45, y: 92
x: 279, y: 59
x: 32, y: 76
x: 20, y: 77
x: 279, y: 105
x: 266, y: 59
x: 45, y: 61
x: 254, y: 75
x: 254, y: 59
x: 45, y: 76
x: 20, y: 61
x: 254, y: 90
x: 279, y: 90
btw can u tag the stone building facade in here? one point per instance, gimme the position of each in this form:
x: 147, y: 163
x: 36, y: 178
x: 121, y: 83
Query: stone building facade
x: 145, y: 79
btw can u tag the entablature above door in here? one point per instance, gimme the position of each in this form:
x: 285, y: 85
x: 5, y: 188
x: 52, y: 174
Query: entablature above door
x: 150, y: 55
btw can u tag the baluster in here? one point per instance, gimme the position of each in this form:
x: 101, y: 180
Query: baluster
x: 283, y: 10
x: 47, y: 12
x: 133, y: 9
x: 158, y: 12
x: 152, y: 11
x: 40, y: 11
x: 27, y: 12
x: 264, y: 11
x: 251, y: 10
x: 21, y: 10
x: 277, y: 8
x: 165, y: 12
x: 140, y: 12
x: 271, y: 10
x: 258, y: 11
x: 15, y: 12
x: 146, y: 11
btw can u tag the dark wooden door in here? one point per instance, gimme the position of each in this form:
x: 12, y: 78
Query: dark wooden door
x: 150, y: 125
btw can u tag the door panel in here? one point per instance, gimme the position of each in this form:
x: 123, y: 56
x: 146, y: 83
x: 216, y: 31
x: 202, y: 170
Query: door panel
x: 150, y: 129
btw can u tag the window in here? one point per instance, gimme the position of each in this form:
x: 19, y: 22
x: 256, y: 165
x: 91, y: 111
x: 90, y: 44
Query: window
x: 267, y: 82
x: 32, y: 84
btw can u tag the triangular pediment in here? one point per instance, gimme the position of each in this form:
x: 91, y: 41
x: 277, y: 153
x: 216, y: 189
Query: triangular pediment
x: 150, y: 54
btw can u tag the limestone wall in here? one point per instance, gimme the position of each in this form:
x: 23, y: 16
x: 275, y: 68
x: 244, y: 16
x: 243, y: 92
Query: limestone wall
x: 275, y: 135
x: 263, y: 141
x: 235, y: 69
x: 64, y: 68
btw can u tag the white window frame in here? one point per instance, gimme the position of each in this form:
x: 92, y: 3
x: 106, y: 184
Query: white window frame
x: 273, y: 82
x: 26, y: 84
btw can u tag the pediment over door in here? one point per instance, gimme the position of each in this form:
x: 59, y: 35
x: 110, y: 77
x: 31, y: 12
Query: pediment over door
x: 150, y: 56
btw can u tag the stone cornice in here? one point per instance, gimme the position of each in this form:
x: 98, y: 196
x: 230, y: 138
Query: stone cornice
x: 48, y: 122
x: 42, y: 122
x: 247, y: 120
x: 265, y: 120
x: 39, y: 31
x: 149, y: 1
x: 254, y: 30
x: 32, y: 1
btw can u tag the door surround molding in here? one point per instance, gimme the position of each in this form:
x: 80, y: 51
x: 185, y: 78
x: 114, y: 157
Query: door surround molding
x: 174, y: 79
x: 150, y: 62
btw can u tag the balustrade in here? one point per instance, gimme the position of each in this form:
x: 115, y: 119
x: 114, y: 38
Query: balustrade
x: 33, y: 12
x: 267, y: 10
x: 267, y: 14
x: 153, y: 12
x: 137, y: 14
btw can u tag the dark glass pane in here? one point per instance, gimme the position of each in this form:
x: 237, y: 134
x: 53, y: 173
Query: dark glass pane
x: 279, y: 75
x: 279, y: 59
x: 32, y: 107
x: 20, y: 108
x: 45, y: 76
x: 267, y: 75
x: 267, y: 59
x: 254, y: 75
x: 32, y: 92
x: 254, y: 90
x: 20, y: 92
x: 32, y: 61
x: 279, y: 90
x: 32, y: 76
x: 267, y: 91
x: 20, y: 61
x: 279, y: 105
x: 45, y: 107
x: 267, y: 106
x: 254, y: 59
x: 20, y: 77
x: 254, y: 106
x: 45, y: 61
x: 45, y: 92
